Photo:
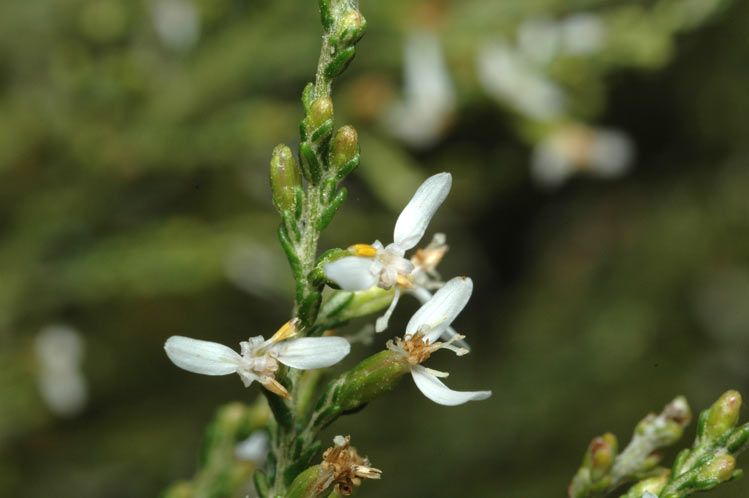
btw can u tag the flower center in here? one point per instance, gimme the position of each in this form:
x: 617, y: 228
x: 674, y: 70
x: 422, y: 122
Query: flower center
x: 414, y: 347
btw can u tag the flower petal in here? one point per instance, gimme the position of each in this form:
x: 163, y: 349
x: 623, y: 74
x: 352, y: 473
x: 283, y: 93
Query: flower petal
x: 203, y: 357
x: 351, y: 273
x: 434, y: 389
x: 438, y: 313
x: 423, y: 295
x: 415, y: 217
x: 312, y: 352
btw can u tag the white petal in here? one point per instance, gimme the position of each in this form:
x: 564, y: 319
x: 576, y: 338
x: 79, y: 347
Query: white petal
x: 434, y: 389
x: 648, y: 494
x: 312, y: 352
x: 351, y: 273
x: 423, y: 295
x: 415, y: 217
x: 203, y: 357
x: 438, y: 313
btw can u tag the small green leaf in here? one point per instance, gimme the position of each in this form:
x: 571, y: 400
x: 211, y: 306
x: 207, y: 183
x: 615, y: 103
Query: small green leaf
x: 330, y: 211
x: 310, y: 162
x: 340, y: 62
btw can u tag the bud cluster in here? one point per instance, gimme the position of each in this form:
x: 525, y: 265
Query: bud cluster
x: 710, y: 462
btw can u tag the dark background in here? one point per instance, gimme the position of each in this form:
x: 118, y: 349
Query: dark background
x: 134, y: 205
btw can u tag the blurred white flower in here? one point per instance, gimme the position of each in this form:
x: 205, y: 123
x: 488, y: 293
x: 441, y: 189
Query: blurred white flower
x: 59, y: 351
x: 177, y: 23
x: 648, y: 494
x: 582, y: 34
x: 387, y: 266
x: 516, y: 82
x: 259, y: 358
x: 538, y: 38
x: 600, y: 152
x: 429, y: 98
x: 426, y: 326
x: 254, y: 448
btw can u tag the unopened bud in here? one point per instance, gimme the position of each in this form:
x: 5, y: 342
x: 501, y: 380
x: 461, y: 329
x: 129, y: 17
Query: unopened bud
x: 719, y: 468
x: 371, y: 378
x: 723, y: 415
x: 601, y: 455
x: 310, y: 483
x: 648, y: 488
x: 285, y: 178
x: 320, y: 112
x: 350, y: 29
x: 345, y: 147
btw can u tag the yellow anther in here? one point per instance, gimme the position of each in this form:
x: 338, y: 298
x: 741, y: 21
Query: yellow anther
x: 287, y: 330
x: 364, y: 250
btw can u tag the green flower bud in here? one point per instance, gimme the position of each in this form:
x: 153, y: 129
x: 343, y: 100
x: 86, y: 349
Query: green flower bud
x: 719, y: 469
x: 310, y: 483
x: 350, y: 28
x: 345, y: 148
x: 668, y: 427
x: 371, y: 378
x: 285, y: 179
x: 651, y: 485
x: 723, y: 415
x: 320, y: 112
x: 601, y: 454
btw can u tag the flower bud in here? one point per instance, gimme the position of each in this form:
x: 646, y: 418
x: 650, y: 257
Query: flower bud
x: 719, y: 469
x: 350, y: 29
x: 285, y: 179
x: 345, y: 147
x: 723, y: 415
x: 310, y: 483
x: 320, y: 112
x: 651, y: 486
x: 371, y: 378
x: 601, y: 454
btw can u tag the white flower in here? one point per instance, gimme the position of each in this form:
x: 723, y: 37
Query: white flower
x: 583, y: 34
x: 259, y: 358
x: 538, y: 39
x: 254, y: 448
x: 62, y: 385
x: 516, y: 82
x: 600, y: 152
x: 420, y: 341
x: 648, y: 494
x: 429, y: 100
x: 177, y: 23
x: 387, y: 266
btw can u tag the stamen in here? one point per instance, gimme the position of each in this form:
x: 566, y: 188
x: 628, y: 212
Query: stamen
x: 364, y: 250
x: 287, y: 330
x: 450, y: 346
x: 382, y: 322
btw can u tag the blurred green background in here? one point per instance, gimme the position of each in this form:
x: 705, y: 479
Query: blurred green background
x: 134, y: 205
